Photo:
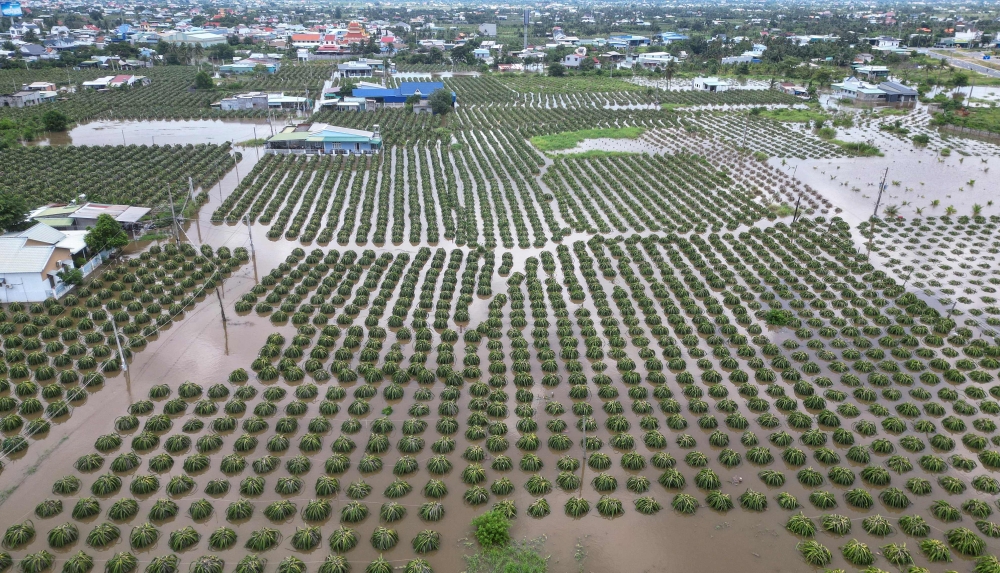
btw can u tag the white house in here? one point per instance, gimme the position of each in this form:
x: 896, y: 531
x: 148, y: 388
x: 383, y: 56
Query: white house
x: 652, y: 60
x: 30, y: 262
x: 883, y: 42
x: 711, y: 84
x: 483, y: 55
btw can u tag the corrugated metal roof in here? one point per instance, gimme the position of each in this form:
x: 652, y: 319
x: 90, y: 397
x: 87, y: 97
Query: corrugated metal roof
x: 16, y: 257
x: 57, y: 211
x: 94, y: 210
x: 42, y: 233
x: 132, y: 214
x: 58, y: 222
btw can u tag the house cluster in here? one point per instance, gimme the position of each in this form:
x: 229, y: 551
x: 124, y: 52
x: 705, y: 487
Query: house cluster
x: 256, y: 63
x: 119, y: 81
x: 31, y: 261
x: 751, y: 56
x: 264, y: 101
x: 887, y: 92
x: 32, y: 94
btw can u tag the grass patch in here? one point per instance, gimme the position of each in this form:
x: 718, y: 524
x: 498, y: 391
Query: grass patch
x: 794, y: 115
x: 154, y: 237
x: 892, y: 111
x: 672, y: 106
x: 983, y: 118
x: 517, y: 557
x: 858, y: 148
x: 259, y: 142
x: 782, y: 210
x: 569, y: 139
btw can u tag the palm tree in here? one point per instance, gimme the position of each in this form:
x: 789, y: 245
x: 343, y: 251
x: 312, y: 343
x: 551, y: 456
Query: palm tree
x: 935, y: 202
x: 891, y: 210
x: 949, y: 210
x: 977, y: 210
x: 669, y: 71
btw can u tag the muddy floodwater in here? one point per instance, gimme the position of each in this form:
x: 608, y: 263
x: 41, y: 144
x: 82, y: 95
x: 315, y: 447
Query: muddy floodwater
x: 163, y: 132
x: 213, y: 340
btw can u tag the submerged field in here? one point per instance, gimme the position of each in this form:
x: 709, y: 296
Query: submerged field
x: 608, y: 348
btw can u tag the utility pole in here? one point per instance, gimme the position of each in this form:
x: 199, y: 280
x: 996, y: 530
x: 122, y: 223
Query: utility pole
x: 878, y: 201
x: 746, y: 126
x: 114, y: 325
x: 222, y: 308
x: 197, y: 222
x: 173, y: 216
x: 246, y: 221
x: 796, y: 215
x: 236, y: 166
x: 255, y: 142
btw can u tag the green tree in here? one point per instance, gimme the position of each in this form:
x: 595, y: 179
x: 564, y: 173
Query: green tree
x: 492, y: 529
x: 71, y: 276
x: 347, y: 88
x: 557, y: 70
x: 13, y: 209
x: 440, y: 101
x: 105, y: 234
x: 30, y: 36
x: 203, y: 81
x: 54, y: 120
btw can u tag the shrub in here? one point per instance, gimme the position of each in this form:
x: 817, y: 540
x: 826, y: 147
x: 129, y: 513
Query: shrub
x: 492, y: 529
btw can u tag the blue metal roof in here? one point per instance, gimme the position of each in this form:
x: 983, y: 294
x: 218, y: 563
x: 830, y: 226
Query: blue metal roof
x: 397, y: 95
x: 425, y: 88
x: 374, y: 92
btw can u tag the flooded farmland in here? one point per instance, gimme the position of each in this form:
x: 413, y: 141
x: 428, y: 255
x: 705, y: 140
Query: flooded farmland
x: 636, y: 357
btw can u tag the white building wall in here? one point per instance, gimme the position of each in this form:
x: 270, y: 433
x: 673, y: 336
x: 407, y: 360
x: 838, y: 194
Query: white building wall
x: 24, y: 287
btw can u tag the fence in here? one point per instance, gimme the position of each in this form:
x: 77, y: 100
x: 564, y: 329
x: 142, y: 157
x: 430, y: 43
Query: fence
x: 959, y: 130
x: 95, y: 262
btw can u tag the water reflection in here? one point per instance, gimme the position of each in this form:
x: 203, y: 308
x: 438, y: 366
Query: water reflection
x: 164, y: 132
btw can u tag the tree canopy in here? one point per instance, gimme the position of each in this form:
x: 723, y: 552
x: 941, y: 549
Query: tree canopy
x: 106, y: 234
x: 55, y: 120
x: 440, y: 101
x: 203, y: 81
x: 13, y: 209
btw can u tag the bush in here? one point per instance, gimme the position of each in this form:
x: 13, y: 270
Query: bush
x: 826, y: 133
x: 921, y: 139
x: 492, y: 529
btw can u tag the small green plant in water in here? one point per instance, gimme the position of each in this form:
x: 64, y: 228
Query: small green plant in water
x: 492, y: 529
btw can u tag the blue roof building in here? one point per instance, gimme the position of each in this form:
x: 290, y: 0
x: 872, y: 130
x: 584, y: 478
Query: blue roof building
x: 668, y: 37
x: 627, y: 41
x: 398, y: 96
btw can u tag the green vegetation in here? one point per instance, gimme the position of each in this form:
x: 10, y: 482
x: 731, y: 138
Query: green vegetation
x: 492, y: 529
x: 570, y: 139
x: 516, y: 557
x: 858, y: 148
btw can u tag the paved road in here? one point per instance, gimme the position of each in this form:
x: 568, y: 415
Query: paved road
x: 963, y: 63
